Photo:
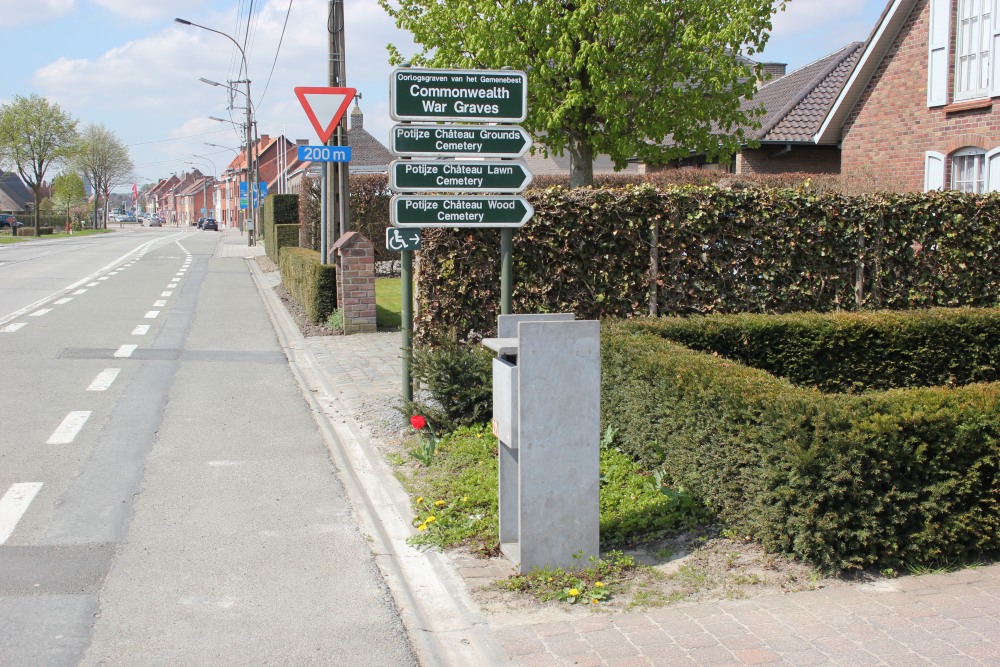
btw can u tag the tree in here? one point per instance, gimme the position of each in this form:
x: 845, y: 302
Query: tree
x: 67, y: 193
x: 104, y: 160
x: 35, y: 134
x: 647, y: 79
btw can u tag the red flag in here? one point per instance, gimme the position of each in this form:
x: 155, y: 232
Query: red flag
x: 135, y: 192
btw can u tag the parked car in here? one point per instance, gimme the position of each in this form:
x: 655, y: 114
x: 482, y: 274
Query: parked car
x: 155, y: 222
x: 7, y: 220
x: 210, y: 224
x: 201, y: 221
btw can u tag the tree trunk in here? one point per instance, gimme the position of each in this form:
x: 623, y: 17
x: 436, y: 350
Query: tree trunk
x: 37, y: 211
x: 581, y: 163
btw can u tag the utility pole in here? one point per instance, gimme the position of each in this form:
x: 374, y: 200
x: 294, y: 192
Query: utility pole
x: 337, y: 182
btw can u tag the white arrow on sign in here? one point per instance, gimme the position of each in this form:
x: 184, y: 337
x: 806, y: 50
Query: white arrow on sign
x: 325, y: 107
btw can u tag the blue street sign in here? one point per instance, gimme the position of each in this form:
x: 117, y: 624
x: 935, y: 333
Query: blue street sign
x: 261, y: 188
x: 325, y: 153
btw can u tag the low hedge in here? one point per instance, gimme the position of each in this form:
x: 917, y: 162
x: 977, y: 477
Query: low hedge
x: 312, y: 284
x: 895, y: 478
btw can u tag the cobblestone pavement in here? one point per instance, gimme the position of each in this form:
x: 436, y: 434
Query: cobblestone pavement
x: 935, y: 619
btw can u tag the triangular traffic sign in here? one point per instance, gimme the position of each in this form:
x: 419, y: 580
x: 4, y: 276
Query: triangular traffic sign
x: 325, y: 107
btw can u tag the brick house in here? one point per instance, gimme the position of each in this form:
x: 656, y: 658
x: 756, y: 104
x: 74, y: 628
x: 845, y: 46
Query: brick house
x: 919, y: 106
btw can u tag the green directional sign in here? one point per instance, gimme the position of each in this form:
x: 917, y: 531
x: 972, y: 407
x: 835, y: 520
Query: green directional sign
x: 458, y: 176
x: 486, y: 96
x: 459, y: 211
x: 459, y: 141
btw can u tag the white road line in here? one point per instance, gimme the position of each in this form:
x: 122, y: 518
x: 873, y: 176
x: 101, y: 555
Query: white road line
x: 40, y: 312
x: 141, y: 330
x: 166, y: 294
x: 159, y: 304
x: 70, y: 427
x: 172, y: 285
x: 11, y: 328
x: 152, y: 314
x: 14, y: 504
x: 104, y: 379
x: 81, y: 291
x: 93, y: 284
x: 125, y: 351
x: 103, y: 278
x: 65, y: 300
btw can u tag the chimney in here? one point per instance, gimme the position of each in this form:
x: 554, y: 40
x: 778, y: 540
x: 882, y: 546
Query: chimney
x: 773, y: 71
x: 357, y: 118
x: 301, y: 142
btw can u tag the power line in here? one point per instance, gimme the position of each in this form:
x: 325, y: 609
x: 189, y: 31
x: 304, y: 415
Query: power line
x: 277, y: 51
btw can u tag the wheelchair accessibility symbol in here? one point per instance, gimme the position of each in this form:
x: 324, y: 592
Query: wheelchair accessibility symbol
x: 402, y: 239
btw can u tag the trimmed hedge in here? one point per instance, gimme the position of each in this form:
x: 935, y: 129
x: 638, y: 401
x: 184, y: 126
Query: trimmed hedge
x: 698, y: 250
x: 896, y: 478
x: 312, y: 284
x: 277, y: 211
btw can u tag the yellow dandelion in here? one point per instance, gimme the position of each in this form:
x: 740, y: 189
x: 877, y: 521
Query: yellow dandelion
x: 593, y: 602
x: 465, y: 499
x: 573, y: 592
x: 420, y: 499
x: 431, y: 519
x: 599, y: 584
x: 438, y: 503
x: 422, y: 526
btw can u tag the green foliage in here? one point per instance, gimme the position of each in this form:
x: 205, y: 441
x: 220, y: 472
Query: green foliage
x: 388, y: 303
x: 34, y: 134
x: 279, y: 224
x: 335, y: 320
x: 101, y: 157
x: 617, y: 78
x: 459, y: 489
x: 591, y: 584
x: 893, y: 478
x: 313, y: 285
x: 370, y: 211
x: 716, y: 250
x: 67, y: 192
x: 459, y: 380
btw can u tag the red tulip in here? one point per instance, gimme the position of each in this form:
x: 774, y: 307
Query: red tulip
x: 418, y: 422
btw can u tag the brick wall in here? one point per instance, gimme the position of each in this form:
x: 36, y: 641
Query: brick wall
x: 356, y: 282
x: 769, y: 160
x: 892, y: 127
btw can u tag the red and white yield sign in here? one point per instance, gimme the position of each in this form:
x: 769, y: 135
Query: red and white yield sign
x: 325, y: 107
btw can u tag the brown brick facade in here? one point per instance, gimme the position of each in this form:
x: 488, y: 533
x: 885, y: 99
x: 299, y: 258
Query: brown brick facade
x: 773, y: 160
x: 356, y: 282
x: 891, y: 127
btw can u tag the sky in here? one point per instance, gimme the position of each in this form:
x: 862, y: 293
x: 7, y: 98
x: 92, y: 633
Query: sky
x: 126, y: 65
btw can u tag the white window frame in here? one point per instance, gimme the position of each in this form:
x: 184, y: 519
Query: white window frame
x: 968, y: 175
x: 941, y: 39
x: 973, y: 47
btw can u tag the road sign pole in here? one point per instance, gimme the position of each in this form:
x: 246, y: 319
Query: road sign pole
x: 506, y: 270
x: 406, y: 320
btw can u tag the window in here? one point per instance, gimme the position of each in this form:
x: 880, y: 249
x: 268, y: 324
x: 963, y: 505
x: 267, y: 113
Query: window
x: 973, y: 170
x: 968, y: 171
x: 972, y: 49
x: 975, y: 38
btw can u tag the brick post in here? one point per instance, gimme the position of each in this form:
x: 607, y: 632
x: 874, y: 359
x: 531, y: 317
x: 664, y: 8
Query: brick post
x: 356, y: 282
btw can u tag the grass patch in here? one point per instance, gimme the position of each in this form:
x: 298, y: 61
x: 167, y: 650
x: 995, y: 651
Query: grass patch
x: 388, y: 303
x: 6, y: 238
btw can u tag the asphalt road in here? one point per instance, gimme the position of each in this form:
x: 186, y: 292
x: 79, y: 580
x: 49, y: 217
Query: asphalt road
x: 165, y: 494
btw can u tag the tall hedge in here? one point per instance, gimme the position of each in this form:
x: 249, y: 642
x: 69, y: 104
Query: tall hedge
x: 689, y: 250
x: 279, y: 211
x: 313, y: 285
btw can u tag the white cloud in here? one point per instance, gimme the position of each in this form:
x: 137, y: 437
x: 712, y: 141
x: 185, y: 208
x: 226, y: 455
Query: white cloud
x: 147, y: 10
x: 14, y: 13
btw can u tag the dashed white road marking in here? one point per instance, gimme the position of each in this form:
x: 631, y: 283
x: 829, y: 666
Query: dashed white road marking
x: 103, y: 278
x: 104, y: 379
x: 166, y: 294
x: 172, y: 285
x: 81, y: 291
x: 65, y: 300
x: 95, y: 284
x: 141, y: 330
x: 159, y: 304
x: 40, y: 312
x: 125, y: 351
x: 11, y: 328
x: 14, y: 504
x: 152, y: 314
x: 70, y: 427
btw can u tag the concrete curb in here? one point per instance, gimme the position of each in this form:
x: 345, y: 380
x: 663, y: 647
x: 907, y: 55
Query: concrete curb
x: 440, y: 616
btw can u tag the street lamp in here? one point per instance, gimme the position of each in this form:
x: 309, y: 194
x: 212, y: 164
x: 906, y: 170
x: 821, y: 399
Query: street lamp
x: 249, y: 128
